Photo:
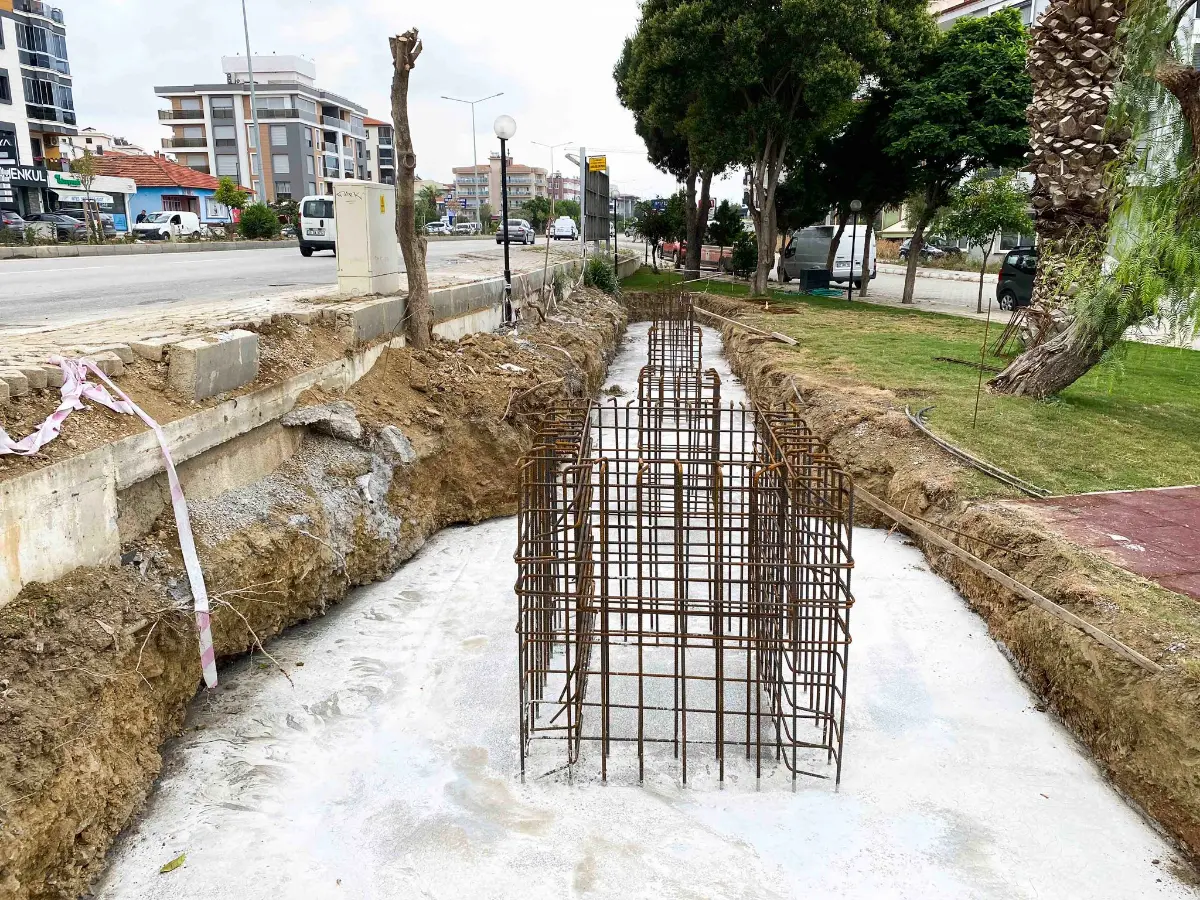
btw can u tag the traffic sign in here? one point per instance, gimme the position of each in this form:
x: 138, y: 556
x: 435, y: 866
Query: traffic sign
x: 597, y: 163
x: 658, y: 205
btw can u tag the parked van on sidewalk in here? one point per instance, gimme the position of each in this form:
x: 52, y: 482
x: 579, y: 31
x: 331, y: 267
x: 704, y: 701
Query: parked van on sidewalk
x: 318, y: 231
x: 809, y: 250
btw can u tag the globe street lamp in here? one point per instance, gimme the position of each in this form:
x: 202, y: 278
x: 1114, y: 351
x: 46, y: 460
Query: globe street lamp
x: 855, y: 207
x: 505, y: 127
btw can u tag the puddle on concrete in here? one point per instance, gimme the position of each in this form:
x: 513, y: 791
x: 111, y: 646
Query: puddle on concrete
x: 388, y: 768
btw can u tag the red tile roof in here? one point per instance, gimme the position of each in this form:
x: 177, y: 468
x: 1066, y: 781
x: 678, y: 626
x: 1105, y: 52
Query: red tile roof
x: 153, y: 171
x: 367, y: 120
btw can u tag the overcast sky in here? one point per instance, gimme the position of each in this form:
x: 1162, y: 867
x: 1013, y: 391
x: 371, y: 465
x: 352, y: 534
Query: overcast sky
x: 552, y: 60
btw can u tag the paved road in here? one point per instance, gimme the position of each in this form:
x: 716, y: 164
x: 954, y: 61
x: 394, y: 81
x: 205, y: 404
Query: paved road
x: 43, y: 291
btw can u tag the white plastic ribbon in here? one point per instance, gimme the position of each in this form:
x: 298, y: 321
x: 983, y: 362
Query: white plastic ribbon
x: 75, y: 389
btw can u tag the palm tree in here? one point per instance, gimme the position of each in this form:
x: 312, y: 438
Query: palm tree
x: 427, y: 204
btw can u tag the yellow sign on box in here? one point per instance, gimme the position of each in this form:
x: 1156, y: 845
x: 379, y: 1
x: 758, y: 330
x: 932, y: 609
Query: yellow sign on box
x: 382, y: 204
x: 597, y: 163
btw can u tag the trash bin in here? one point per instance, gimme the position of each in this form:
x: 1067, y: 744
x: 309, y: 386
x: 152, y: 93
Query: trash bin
x: 812, y: 279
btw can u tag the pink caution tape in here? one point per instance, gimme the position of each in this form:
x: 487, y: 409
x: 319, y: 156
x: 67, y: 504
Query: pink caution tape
x: 75, y: 389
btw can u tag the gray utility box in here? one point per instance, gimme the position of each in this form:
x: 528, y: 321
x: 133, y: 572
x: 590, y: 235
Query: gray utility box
x: 811, y: 279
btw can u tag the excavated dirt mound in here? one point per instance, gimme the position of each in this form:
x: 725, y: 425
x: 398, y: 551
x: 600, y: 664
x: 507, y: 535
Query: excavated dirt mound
x: 1143, y: 729
x: 97, y: 669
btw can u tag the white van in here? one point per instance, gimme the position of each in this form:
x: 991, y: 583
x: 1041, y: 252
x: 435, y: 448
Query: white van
x: 168, y: 226
x: 318, y: 231
x: 564, y: 229
x: 809, y: 249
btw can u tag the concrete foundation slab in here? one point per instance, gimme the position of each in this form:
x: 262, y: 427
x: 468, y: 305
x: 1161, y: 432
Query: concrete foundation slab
x: 211, y: 365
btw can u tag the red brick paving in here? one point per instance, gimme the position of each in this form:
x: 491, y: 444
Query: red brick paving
x: 1155, y: 533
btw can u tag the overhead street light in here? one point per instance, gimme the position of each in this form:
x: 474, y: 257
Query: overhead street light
x: 505, y: 127
x: 474, y: 149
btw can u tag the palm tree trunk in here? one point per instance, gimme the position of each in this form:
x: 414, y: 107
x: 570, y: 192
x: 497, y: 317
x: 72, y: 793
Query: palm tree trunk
x: 1051, y: 367
x: 405, y: 50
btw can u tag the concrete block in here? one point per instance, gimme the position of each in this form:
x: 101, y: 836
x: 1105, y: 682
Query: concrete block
x: 3, y: 391
x: 108, y: 363
x: 154, y: 348
x: 305, y: 316
x: 336, y: 419
x: 123, y: 351
x: 210, y: 365
x: 54, y: 376
x: 35, y: 376
x: 360, y: 323
x: 18, y: 384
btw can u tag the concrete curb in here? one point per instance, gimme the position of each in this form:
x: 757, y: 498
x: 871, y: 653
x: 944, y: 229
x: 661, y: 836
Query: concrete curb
x: 938, y: 274
x: 71, y: 251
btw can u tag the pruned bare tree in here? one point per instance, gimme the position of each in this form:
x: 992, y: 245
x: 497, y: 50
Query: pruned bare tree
x: 405, y: 50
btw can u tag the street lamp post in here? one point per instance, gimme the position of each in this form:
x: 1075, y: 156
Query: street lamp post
x: 253, y: 109
x: 474, y: 151
x: 855, y: 206
x: 505, y: 127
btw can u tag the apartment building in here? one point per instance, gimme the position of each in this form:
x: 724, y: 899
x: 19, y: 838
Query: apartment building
x: 381, y: 152
x: 563, y: 187
x: 311, y: 137
x: 37, y: 104
x: 98, y: 142
x: 476, y: 185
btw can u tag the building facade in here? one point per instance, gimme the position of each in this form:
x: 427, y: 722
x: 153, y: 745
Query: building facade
x: 311, y: 137
x: 563, y: 187
x: 947, y: 12
x: 98, y: 142
x: 37, y: 105
x: 476, y: 185
x: 381, y: 151
x: 161, y: 185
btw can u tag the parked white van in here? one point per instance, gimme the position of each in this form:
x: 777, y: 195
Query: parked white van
x: 318, y: 231
x: 168, y: 226
x: 565, y: 229
x: 809, y: 249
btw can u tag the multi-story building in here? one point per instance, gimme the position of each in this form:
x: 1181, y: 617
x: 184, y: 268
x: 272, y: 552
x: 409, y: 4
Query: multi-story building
x: 563, y: 187
x: 312, y: 137
x: 381, y: 152
x: 99, y: 143
x: 37, y: 104
x: 947, y: 12
x: 476, y: 185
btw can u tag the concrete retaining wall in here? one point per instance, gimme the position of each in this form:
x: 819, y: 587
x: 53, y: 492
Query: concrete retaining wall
x: 58, y: 251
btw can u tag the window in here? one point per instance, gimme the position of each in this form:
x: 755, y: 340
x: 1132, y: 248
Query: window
x: 283, y: 189
x: 368, y: 153
x: 312, y: 188
x: 308, y: 138
x: 279, y: 136
x: 227, y: 165
x: 225, y: 132
x: 189, y: 103
x: 222, y: 103
x: 309, y: 166
x: 317, y: 209
x: 189, y: 131
x: 5, y: 87
x: 281, y: 164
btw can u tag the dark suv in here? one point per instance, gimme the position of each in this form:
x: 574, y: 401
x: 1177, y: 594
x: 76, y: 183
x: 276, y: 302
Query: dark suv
x: 1014, y: 286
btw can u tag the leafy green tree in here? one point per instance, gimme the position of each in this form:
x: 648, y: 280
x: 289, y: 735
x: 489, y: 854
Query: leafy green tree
x: 485, y: 217
x: 537, y: 211
x: 425, y: 206
x: 655, y: 226
x: 745, y: 254
x: 726, y: 226
x: 258, y: 221
x: 230, y: 194
x: 567, y: 208
x: 287, y: 209
x: 983, y: 208
x: 965, y: 112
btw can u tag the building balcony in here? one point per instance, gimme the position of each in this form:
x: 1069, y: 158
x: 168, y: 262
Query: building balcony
x: 327, y: 172
x: 288, y: 113
x: 38, y: 8
x: 39, y: 114
x: 180, y: 143
x: 170, y: 115
x: 358, y: 131
x: 335, y: 122
x: 44, y: 61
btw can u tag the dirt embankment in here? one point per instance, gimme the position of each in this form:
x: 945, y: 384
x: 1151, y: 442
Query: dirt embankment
x: 97, y: 669
x: 1143, y: 729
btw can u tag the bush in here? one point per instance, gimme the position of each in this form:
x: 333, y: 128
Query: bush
x: 258, y: 221
x: 560, y: 285
x: 599, y: 274
x: 745, y: 254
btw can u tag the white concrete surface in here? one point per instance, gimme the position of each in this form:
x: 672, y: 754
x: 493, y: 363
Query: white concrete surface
x: 387, y: 768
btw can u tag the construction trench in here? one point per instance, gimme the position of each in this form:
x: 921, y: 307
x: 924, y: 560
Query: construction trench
x: 663, y: 704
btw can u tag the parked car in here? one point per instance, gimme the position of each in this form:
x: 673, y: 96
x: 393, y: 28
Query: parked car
x: 1014, y: 284
x: 65, y: 227
x: 467, y: 228
x: 439, y: 228
x: 10, y: 221
x: 318, y: 230
x: 928, y: 251
x: 564, y: 228
x: 168, y: 226
x: 519, y: 232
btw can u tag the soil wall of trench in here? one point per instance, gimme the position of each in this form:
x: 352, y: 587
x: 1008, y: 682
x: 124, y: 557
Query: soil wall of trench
x: 1142, y: 729
x: 97, y: 669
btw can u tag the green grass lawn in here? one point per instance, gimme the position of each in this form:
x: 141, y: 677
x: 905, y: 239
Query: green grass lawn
x: 1128, y: 424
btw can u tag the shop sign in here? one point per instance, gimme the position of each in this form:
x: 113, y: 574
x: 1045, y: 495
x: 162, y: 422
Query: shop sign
x: 26, y: 176
x: 8, y: 147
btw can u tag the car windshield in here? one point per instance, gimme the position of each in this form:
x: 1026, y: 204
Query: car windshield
x: 161, y: 217
x: 318, y: 209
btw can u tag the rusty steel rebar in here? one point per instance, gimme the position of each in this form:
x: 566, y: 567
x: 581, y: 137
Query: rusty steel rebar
x: 684, y: 574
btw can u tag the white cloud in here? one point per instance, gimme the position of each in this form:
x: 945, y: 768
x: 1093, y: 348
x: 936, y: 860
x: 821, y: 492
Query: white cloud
x: 552, y: 59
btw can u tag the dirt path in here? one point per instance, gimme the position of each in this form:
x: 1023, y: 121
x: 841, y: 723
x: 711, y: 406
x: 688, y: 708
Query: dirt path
x: 387, y: 767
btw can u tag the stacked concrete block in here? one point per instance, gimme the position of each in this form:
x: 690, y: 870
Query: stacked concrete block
x: 214, y: 364
x: 154, y: 348
x: 361, y: 323
x: 15, y: 381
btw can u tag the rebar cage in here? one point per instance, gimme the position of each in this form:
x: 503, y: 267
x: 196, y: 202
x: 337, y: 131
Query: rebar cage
x: 684, y: 575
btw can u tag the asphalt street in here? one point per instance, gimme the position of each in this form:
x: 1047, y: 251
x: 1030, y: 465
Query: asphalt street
x: 44, y: 291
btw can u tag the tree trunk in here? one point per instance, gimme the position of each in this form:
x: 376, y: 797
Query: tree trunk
x: 405, y: 50
x: 982, y: 273
x: 1050, y: 367
x: 866, y: 259
x: 843, y: 221
x: 914, y: 259
x: 1184, y: 83
x: 697, y: 222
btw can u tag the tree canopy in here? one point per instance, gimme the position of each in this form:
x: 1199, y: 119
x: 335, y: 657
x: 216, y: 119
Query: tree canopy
x: 726, y: 225
x: 982, y: 208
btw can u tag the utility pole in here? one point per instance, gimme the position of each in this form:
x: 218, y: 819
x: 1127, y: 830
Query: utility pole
x: 550, y: 224
x: 475, y: 151
x: 254, y: 111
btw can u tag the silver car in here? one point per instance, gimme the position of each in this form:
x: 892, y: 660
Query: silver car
x: 519, y: 232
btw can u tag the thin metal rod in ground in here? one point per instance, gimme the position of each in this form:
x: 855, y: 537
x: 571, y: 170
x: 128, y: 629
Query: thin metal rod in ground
x: 684, y: 574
